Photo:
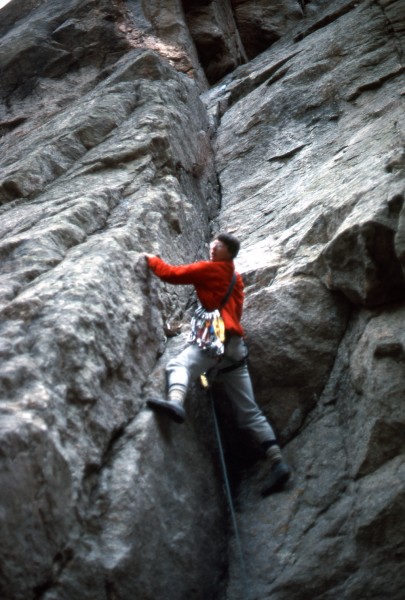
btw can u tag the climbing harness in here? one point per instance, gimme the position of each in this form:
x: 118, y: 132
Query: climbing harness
x: 235, y: 365
x: 206, y: 386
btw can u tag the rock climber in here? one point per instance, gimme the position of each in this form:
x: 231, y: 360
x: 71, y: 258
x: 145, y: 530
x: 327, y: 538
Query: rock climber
x: 211, y: 280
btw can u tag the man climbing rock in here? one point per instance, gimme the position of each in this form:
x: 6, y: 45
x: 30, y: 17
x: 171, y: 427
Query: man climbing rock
x: 217, y: 287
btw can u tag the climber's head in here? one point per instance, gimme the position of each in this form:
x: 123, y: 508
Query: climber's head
x: 224, y: 247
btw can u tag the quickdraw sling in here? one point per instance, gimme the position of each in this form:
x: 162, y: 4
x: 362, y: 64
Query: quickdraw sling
x: 208, y: 328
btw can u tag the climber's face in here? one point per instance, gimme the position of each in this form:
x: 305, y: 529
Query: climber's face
x: 219, y: 251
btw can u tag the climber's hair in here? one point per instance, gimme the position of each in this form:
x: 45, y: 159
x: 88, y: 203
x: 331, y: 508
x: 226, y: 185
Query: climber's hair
x: 231, y: 242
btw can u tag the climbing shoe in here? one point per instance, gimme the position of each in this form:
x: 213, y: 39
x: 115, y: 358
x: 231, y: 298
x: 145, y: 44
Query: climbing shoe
x: 171, y: 409
x: 279, y: 475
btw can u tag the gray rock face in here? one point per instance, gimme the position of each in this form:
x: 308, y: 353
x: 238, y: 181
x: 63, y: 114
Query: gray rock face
x: 111, y: 145
x: 307, y: 136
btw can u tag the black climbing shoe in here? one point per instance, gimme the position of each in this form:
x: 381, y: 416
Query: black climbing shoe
x: 279, y: 475
x: 172, y: 409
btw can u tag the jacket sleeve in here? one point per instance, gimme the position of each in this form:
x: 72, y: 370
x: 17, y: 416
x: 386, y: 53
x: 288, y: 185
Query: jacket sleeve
x: 195, y: 273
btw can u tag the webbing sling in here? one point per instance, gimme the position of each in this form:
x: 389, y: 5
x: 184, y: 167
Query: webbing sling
x: 229, y: 292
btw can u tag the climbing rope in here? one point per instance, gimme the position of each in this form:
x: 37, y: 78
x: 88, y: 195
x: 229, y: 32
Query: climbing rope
x: 205, y: 384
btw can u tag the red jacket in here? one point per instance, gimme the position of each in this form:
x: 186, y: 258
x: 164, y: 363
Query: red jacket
x: 211, y: 280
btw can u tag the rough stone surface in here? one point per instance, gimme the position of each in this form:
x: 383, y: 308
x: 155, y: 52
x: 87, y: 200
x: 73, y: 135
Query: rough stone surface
x: 261, y: 23
x: 309, y: 151
x: 216, y: 36
x: 112, y: 143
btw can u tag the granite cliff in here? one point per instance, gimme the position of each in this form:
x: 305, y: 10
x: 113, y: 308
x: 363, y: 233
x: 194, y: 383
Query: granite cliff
x: 145, y: 125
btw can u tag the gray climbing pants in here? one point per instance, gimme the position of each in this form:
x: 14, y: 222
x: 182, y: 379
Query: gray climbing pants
x: 193, y: 362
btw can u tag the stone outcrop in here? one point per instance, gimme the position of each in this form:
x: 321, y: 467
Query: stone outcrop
x: 114, y: 143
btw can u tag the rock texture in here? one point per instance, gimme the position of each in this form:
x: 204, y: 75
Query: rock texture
x: 113, y: 143
x: 310, y: 153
